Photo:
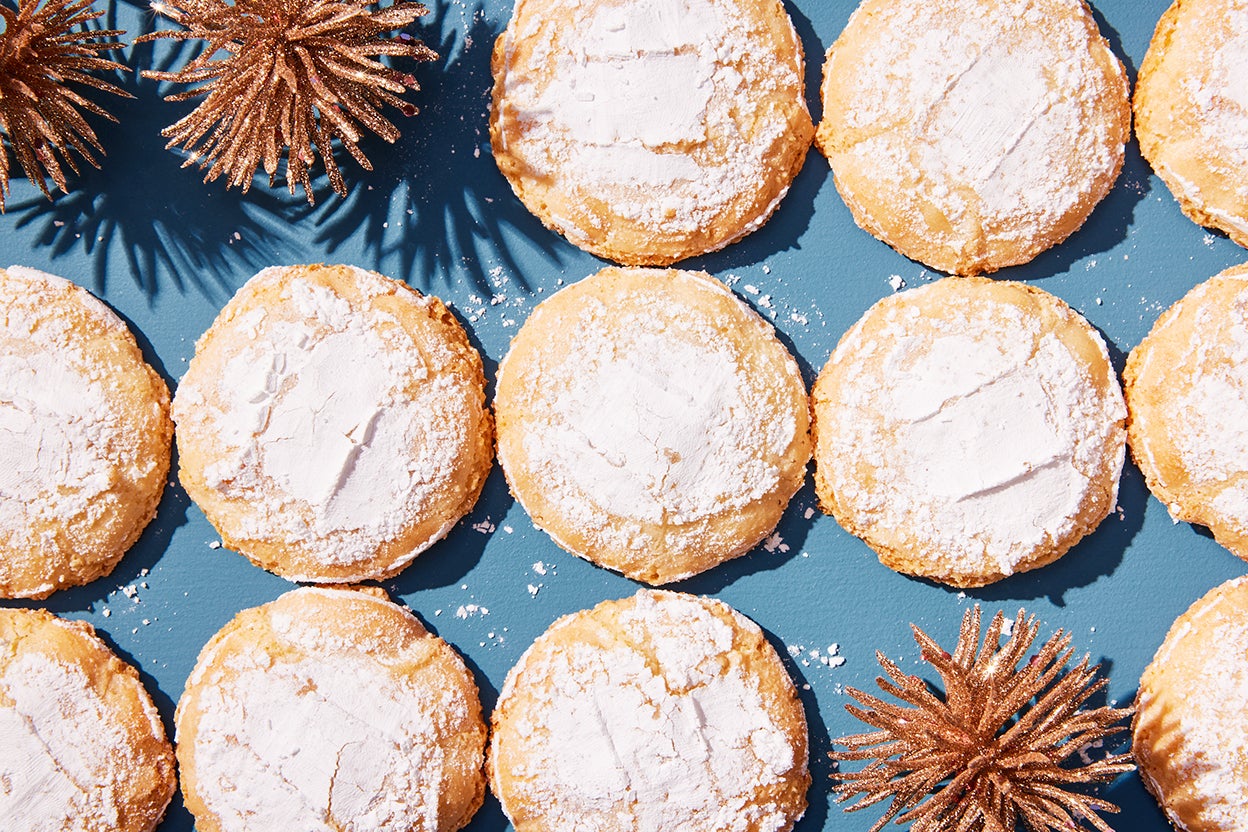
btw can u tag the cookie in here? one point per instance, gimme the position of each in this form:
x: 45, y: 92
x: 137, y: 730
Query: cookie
x: 84, y: 436
x: 332, y: 424
x: 654, y: 131
x: 1190, y: 740
x: 650, y: 422
x: 969, y: 429
x: 1191, y: 111
x: 1187, y: 394
x: 84, y: 748
x: 972, y: 135
x: 330, y: 709
x: 660, y: 711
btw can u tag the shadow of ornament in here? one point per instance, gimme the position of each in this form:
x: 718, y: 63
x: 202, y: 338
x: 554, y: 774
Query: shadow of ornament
x: 435, y: 203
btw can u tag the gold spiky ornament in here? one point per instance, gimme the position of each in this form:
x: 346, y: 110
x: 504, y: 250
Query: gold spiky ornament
x: 287, y: 77
x: 1006, y: 744
x: 46, y: 54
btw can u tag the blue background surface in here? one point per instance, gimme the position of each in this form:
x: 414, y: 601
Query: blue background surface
x: 166, y: 252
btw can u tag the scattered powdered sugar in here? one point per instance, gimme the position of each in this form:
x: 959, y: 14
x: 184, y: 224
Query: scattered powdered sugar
x: 331, y: 425
x: 620, y: 99
x: 775, y: 543
x: 984, y: 434
x: 66, y: 755
x: 829, y: 657
x: 660, y: 728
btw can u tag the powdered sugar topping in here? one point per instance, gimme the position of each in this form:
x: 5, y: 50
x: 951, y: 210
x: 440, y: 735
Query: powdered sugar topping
x: 662, y: 729
x: 1214, y: 746
x: 1217, y: 88
x: 979, y: 114
x: 652, y: 417
x: 66, y: 755
x: 65, y: 437
x: 621, y: 98
x: 335, y: 740
x: 1212, y: 408
x: 1203, y: 737
x: 983, y: 432
x: 331, y: 426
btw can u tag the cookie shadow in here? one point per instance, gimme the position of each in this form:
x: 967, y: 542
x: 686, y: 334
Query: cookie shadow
x: 1138, y: 809
x: 784, y: 230
x: 1114, y: 37
x: 1094, y: 557
x: 1105, y: 228
x: 448, y: 561
x: 435, y: 205
x: 138, y: 561
x: 1110, y: 220
x: 819, y: 794
x: 785, y: 543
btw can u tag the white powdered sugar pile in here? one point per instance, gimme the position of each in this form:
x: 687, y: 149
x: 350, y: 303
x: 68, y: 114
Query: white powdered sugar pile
x: 1211, y: 417
x: 334, y: 431
x: 644, y: 96
x: 337, y: 742
x: 983, y: 440
x: 653, y: 418
x: 668, y: 733
x: 66, y: 755
x: 61, y: 436
x: 980, y: 114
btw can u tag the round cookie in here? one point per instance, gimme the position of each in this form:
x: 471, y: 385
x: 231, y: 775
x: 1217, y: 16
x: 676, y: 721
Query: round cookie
x: 1190, y: 730
x: 648, y: 132
x: 971, y: 135
x: 84, y: 748
x: 332, y: 424
x: 663, y: 711
x: 1191, y: 110
x: 650, y: 422
x: 969, y: 429
x: 84, y: 436
x: 330, y: 709
x: 1187, y: 393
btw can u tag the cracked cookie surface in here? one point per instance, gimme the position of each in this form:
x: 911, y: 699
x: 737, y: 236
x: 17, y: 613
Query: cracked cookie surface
x: 663, y: 711
x: 654, y: 130
x: 1187, y: 393
x: 652, y: 423
x: 971, y: 135
x: 330, y: 710
x: 84, y: 748
x: 85, y: 436
x: 1191, y: 111
x: 332, y: 423
x: 969, y: 429
x: 1188, y: 731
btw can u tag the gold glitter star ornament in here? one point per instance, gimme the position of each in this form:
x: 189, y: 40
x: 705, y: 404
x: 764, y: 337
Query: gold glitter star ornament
x: 287, y: 77
x: 1006, y: 746
x: 46, y: 55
